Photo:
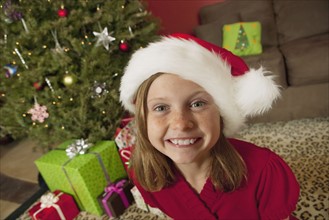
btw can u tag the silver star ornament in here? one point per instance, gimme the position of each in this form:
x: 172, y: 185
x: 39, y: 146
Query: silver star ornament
x: 103, y: 38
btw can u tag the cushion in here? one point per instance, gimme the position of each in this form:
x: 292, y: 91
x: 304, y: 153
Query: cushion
x: 272, y: 60
x: 242, y: 38
x: 300, y: 20
x: 216, y: 15
x: 307, y: 60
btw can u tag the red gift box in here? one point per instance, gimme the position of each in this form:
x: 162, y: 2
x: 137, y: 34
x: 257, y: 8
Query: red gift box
x: 126, y: 140
x: 56, y: 205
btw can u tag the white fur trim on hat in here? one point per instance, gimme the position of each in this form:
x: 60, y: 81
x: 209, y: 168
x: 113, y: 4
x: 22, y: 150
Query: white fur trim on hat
x: 236, y: 96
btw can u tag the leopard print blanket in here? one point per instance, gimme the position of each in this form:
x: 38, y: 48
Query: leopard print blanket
x: 303, y: 144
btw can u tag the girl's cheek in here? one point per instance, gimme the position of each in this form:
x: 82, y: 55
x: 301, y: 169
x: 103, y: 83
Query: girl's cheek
x: 155, y: 119
x: 156, y: 122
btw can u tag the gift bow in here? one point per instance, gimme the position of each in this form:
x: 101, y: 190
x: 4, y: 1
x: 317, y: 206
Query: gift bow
x: 116, y: 187
x: 49, y: 200
x: 80, y: 146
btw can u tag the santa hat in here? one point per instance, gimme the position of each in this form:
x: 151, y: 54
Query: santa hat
x: 238, y: 91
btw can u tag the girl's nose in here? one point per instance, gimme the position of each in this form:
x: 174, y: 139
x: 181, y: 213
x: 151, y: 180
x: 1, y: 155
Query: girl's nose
x: 182, y: 121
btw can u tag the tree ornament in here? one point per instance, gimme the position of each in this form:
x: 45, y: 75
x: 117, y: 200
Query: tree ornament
x: 103, y: 38
x: 69, y: 79
x: 37, y: 85
x: 58, y: 48
x: 39, y: 113
x: 11, y: 13
x: 124, y: 46
x: 131, y: 32
x: 10, y: 70
x: 62, y: 12
x: 21, y: 58
x: 99, y: 89
x: 49, y: 84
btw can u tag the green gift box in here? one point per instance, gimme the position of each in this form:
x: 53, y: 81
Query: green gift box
x: 83, y: 176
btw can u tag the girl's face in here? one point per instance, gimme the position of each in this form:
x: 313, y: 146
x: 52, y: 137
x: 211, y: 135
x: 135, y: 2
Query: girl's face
x: 183, y: 122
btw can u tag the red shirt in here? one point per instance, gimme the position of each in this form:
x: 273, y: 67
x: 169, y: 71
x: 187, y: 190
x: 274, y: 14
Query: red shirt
x: 271, y: 191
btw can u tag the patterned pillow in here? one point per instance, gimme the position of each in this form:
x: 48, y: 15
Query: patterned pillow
x: 243, y: 38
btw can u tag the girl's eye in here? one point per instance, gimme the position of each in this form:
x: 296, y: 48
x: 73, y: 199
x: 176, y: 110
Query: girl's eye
x: 160, y: 108
x: 198, y: 104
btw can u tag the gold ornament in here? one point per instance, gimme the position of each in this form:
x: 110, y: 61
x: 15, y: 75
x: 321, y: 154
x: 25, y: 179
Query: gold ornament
x: 69, y: 79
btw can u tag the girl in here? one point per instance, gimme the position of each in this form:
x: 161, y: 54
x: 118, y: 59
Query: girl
x: 189, y: 97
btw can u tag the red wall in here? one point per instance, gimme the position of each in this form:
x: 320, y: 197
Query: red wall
x: 178, y: 15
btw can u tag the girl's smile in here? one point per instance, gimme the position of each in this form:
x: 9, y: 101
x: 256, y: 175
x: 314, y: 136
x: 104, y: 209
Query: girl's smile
x: 183, y: 142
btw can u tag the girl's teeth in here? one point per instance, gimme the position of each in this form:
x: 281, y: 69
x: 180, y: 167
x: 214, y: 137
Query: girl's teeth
x: 183, y: 141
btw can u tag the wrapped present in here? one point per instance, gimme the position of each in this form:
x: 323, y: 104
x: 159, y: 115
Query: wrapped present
x: 157, y: 212
x: 139, y: 199
x: 127, y: 135
x: 126, y: 140
x: 84, y: 176
x: 117, y: 198
x: 125, y: 121
x: 56, y: 205
x: 140, y: 203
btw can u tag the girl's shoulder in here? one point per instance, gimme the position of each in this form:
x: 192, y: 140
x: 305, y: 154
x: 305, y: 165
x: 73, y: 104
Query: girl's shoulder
x: 268, y: 173
x: 248, y: 149
x: 255, y: 157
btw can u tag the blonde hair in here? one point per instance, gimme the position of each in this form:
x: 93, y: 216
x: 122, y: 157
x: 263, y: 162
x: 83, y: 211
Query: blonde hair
x: 154, y: 170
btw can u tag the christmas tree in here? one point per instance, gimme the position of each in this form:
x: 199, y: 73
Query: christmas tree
x: 242, y: 41
x: 62, y: 62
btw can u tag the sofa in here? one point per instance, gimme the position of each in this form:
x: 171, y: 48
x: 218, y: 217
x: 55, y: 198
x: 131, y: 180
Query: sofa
x: 294, y: 39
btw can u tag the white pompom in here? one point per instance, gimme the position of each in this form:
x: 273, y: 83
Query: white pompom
x: 256, y: 91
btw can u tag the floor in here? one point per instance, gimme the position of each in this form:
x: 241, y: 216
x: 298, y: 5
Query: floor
x: 18, y: 174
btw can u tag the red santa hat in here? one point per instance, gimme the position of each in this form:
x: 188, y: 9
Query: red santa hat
x: 238, y: 91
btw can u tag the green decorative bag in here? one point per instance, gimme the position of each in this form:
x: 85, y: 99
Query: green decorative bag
x: 243, y: 38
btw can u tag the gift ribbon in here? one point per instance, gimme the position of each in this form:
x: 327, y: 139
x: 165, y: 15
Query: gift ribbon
x: 106, y: 174
x: 47, y: 201
x: 115, y: 188
x: 71, y: 184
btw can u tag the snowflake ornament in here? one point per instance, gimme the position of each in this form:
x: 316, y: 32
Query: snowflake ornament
x: 103, y: 38
x: 39, y: 113
x: 99, y: 89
